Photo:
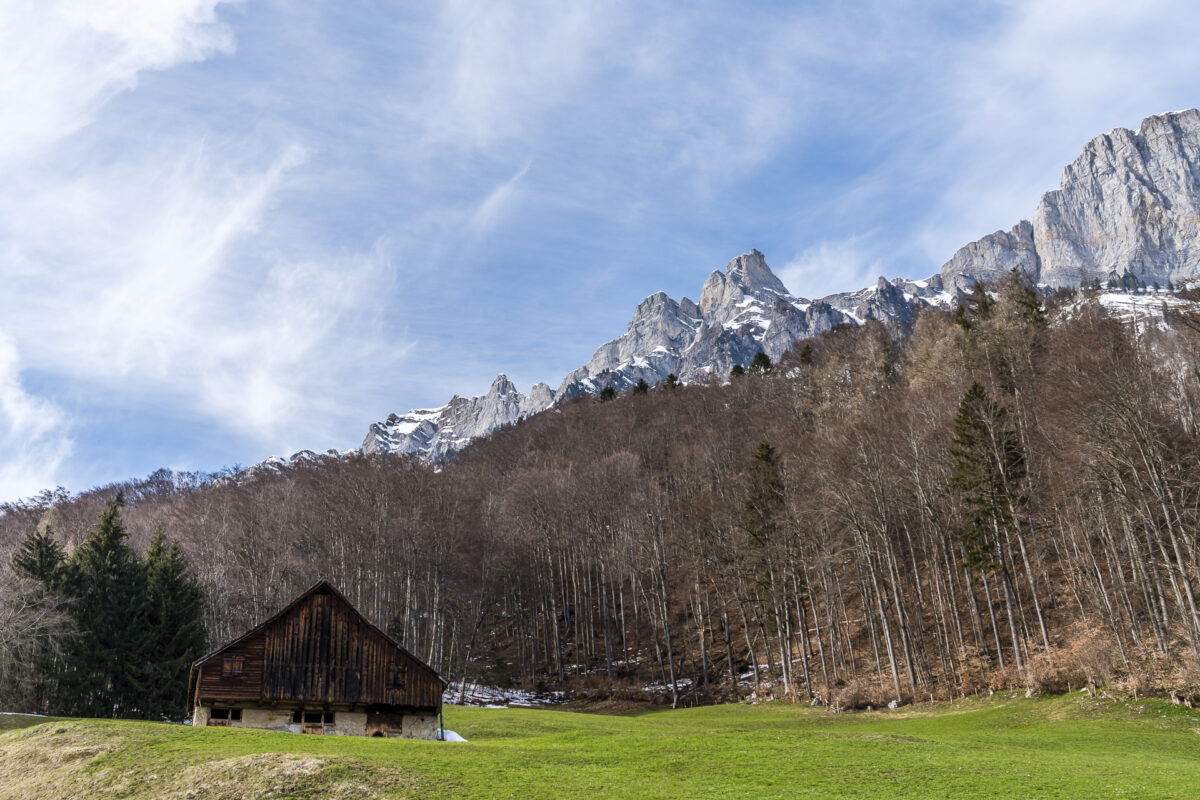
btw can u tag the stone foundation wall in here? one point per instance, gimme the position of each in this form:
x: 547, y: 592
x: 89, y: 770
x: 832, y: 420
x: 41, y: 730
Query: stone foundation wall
x: 271, y: 719
x: 348, y: 723
x: 345, y: 723
x: 420, y: 726
x: 199, y: 716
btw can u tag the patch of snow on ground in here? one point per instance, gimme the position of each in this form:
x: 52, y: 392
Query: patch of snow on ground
x: 451, y: 736
x: 665, y: 688
x: 495, y: 697
x: 1142, y: 309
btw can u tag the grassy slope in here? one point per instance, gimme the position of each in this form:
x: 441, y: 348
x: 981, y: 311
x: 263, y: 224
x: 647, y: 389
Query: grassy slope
x: 1001, y: 747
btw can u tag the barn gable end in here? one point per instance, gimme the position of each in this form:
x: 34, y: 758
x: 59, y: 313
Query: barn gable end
x: 318, y: 654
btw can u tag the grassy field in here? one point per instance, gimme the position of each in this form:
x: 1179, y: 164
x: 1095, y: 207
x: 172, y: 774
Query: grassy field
x: 999, y: 747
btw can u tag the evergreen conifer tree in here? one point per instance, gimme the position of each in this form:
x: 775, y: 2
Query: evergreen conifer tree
x: 642, y: 387
x: 976, y: 306
x: 988, y: 467
x: 765, y: 499
x: 40, y: 557
x: 761, y: 364
x: 105, y: 584
x: 737, y: 370
x: 175, y: 634
x: 608, y: 393
x: 1018, y: 289
x: 672, y: 381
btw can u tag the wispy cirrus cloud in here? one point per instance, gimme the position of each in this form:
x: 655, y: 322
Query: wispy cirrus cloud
x: 149, y: 263
x: 60, y: 61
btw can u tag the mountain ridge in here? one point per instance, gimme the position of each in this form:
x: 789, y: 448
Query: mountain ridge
x: 1129, y: 205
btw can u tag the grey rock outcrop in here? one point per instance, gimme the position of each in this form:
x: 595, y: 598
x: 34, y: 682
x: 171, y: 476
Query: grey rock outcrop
x: 1130, y: 204
x: 438, y: 433
x: 989, y: 258
x: 893, y: 303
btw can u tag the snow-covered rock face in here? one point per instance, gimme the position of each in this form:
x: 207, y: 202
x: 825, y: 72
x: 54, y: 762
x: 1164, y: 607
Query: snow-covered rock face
x: 1129, y: 204
x: 438, y: 433
x: 741, y: 311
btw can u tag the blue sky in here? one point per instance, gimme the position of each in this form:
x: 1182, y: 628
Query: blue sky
x: 237, y: 229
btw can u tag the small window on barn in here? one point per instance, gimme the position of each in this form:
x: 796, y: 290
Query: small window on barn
x: 235, y: 714
x: 297, y: 716
x: 313, y: 717
x: 220, y: 713
x: 234, y: 665
x: 398, y: 678
x: 328, y: 717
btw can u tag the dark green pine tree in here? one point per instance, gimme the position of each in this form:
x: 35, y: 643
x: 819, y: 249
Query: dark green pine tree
x: 806, y: 354
x: 608, y: 393
x: 764, y: 501
x: 989, y: 465
x: 642, y: 387
x: 40, y: 557
x: 105, y: 584
x: 174, y: 634
x: 672, y: 381
x: 737, y: 371
x: 761, y: 364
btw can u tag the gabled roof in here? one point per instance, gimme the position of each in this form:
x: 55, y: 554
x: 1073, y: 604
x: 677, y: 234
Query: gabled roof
x: 315, y: 588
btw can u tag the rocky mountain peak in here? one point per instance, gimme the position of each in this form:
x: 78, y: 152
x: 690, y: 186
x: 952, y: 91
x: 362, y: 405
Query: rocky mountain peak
x: 502, y: 386
x: 752, y: 275
x: 745, y: 276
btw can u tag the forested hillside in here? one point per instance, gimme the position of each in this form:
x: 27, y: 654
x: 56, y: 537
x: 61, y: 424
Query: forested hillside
x: 1006, y: 497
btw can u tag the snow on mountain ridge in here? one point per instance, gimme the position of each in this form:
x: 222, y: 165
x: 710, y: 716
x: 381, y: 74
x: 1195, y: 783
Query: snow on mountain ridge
x: 742, y: 310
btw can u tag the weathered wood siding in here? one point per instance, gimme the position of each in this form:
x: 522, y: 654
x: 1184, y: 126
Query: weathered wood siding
x: 321, y: 651
x: 247, y: 686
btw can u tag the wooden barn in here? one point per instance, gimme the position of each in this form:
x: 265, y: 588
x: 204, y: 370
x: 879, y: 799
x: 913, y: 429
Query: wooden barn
x: 317, y: 666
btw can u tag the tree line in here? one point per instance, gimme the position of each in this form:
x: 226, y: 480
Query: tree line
x: 1003, y: 496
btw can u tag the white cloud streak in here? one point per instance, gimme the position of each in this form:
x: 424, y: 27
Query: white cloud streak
x: 61, y: 60
x: 33, y: 432
x: 164, y: 276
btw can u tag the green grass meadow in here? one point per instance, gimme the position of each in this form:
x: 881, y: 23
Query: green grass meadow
x: 998, y: 747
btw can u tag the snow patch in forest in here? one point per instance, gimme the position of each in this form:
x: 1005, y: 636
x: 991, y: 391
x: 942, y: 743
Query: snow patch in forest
x: 665, y: 688
x: 495, y: 697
